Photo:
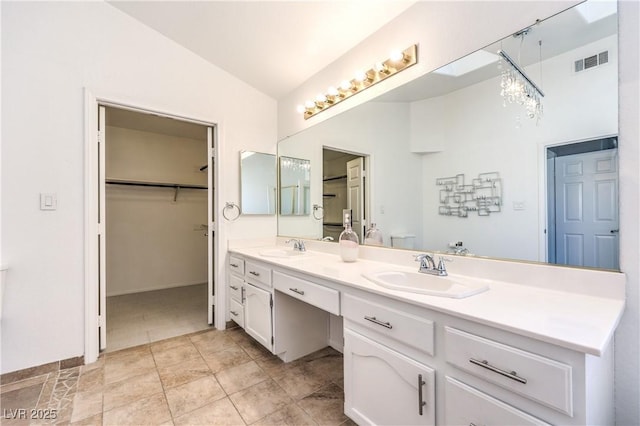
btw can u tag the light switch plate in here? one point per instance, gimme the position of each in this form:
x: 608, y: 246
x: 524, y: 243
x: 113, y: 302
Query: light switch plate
x: 48, y: 201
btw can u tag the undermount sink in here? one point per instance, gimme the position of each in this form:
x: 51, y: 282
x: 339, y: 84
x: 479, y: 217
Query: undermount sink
x: 283, y: 253
x: 417, y: 282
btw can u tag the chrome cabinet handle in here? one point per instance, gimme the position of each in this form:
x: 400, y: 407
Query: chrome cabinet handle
x: 234, y: 313
x: 510, y: 374
x: 614, y: 231
x: 421, y: 403
x: 233, y: 265
x: 254, y: 273
x: 234, y: 287
x: 377, y: 321
x: 295, y: 290
x: 242, y: 298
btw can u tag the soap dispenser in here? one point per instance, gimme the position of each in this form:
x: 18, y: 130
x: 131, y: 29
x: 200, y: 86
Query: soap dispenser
x: 373, y: 237
x: 348, y: 239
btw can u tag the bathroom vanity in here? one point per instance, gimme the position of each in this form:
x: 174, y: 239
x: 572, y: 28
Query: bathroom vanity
x: 536, y: 347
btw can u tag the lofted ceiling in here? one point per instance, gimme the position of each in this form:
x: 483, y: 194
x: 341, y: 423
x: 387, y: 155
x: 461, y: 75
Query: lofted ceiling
x: 273, y: 46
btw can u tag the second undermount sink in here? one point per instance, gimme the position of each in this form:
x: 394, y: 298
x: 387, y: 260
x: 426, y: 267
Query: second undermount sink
x: 416, y: 282
x: 283, y: 253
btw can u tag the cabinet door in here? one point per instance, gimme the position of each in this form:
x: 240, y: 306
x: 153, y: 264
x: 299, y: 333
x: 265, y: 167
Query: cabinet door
x: 257, y: 314
x: 383, y: 386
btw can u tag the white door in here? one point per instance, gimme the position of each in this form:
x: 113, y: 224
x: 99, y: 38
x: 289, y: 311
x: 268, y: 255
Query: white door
x: 384, y: 387
x: 211, y: 233
x: 102, y: 246
x: 587, y: 209
x: 355, y: 195
x: 257, y: 314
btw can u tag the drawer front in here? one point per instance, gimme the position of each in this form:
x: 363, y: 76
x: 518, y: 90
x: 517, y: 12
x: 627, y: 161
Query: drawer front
x: 236, y: 265
x: 236, y: 312
x: 465, y: 405
x: 257, y: 272
x: 323, y: 297
x: 533, y: 376
x: 235, y: 287
x: 406, y: 328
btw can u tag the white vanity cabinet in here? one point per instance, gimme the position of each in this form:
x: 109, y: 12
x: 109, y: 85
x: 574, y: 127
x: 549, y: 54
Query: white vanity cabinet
x: 251, y: 299
x: 383, y: 380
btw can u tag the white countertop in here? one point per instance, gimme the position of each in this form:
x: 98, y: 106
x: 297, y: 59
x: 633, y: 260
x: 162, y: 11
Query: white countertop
x: 577, y: 321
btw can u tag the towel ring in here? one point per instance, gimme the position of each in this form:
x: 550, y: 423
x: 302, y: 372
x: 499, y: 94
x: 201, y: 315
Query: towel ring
x: 317, y: 207
x: 231, y: 205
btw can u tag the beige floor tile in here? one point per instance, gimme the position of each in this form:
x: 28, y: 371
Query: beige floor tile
x: 291, y: 415
x: 274, y: 366
x: 300, y: 381
x: 176, y: 355
x: 260, y: 400
x: 89, y: 421
x: 37, y: 380
x: 86, y: 404
x: 327, y: 363
x: 21, y: 398
x: 227, y: 358
x: 127, y: 363
x: 134, y: 388
x: 325, y: 406
x: 190, y: 396
x: 240, y: 377
x: 91, y: 380
x: 254, y: 349
x: 221, y: 412
x: 163, y: 345
x: 212, y: 342
x: 148, y: 411
x: 183, y: 372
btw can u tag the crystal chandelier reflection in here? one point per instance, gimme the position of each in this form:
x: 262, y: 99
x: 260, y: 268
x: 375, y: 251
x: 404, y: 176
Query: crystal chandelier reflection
x: 517, y: 87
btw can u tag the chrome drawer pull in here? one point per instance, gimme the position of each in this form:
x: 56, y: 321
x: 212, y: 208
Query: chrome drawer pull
x: 254, y: 273
x: 234, y: 287
x: 234, y: 313
x: 233, y: 265
x: 242, y: 298
x: 510, y: 374
x: 295, y: 290
x: 377, y: 321
x: 421, y: 403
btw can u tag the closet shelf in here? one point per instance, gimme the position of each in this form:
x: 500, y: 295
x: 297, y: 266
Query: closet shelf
x: 336, y: 224
x: 330, y: 178
x: 329, y: 195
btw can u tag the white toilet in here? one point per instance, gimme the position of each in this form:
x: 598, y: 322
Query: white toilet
x: 405, y: 241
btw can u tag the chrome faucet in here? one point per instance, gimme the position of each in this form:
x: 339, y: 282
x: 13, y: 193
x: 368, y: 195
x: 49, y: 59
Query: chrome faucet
x: 297, y: 244
x: 428, y: 265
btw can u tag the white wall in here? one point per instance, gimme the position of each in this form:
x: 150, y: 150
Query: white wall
x: 51, y: 51
x: 153, y: 242
x: 476, y: 134
x: 380, y: 130
x: 449, y: 30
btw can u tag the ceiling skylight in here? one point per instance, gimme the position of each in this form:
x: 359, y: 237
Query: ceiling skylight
x: 592, y: 11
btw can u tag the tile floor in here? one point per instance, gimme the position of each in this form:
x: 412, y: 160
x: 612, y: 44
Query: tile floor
x: 205, y: 378
x: 139, y: 318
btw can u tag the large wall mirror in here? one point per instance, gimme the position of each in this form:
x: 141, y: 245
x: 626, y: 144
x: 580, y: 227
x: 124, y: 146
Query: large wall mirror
x: 295, y: 186
x: 258, y: 183
x: 430, y: 141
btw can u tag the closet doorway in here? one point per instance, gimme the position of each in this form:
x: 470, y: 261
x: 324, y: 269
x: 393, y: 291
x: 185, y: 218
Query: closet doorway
x: 156, y: 245
x: 344, y: 186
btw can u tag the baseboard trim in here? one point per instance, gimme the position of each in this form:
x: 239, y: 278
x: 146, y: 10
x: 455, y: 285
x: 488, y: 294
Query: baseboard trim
x: 50, y: 367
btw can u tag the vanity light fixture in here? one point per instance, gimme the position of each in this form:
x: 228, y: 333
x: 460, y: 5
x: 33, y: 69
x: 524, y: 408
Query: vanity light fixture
x: 363, y: 79
x: 517, y: 87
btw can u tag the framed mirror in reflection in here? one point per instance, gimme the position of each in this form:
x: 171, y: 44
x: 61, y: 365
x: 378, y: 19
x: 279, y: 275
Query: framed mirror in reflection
x: 295, y: 186
x: 258, y: 183
x: 558, y: 171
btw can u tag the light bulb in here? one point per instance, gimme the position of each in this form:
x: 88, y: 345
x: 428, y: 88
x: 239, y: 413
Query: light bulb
x: 332, y: 91
x: 345, y: 85
x: 309, y: 105
x: 381, y: 67
x: 396, y: 56
x: 360, y: 76
x: 321, y: 98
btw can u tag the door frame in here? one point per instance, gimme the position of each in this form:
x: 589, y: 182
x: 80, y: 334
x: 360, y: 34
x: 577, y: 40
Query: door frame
x: 543, y: 219
x: 91, y: 212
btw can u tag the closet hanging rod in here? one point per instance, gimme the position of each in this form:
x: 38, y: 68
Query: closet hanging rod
x: 154, y: 184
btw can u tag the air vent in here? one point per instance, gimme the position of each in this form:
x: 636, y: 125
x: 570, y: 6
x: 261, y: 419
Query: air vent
x: 591, y: 61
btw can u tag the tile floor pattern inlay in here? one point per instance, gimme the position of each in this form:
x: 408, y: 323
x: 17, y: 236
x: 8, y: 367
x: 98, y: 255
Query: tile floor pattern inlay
x: 205, y: 378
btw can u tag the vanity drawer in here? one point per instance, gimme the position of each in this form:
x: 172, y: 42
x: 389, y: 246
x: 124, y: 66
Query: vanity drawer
x: 320, y: 296
x: 257, y: 272
x: 406, y: 328
x: 465, y: 405
x: 236, y: 312
x: 533, y: 376
x: 236, y: 265
x: 235, y: 287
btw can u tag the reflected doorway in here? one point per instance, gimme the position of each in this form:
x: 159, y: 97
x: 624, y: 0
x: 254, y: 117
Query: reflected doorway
x: 582, y: 203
